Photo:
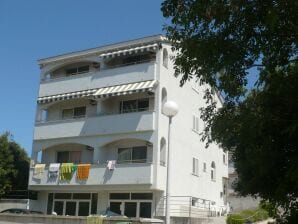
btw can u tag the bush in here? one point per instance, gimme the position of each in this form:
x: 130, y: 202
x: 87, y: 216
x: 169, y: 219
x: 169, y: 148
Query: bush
x: 247, y: 216
x: 234, y: 219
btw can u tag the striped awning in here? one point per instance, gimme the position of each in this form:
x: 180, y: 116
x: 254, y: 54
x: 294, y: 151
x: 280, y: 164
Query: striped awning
x: 151, y: 47
x: 66, y: 96
x: 145, y: 86
x: 118, y: 90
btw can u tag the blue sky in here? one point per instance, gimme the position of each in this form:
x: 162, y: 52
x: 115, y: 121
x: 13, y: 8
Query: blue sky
x: 34, y: 29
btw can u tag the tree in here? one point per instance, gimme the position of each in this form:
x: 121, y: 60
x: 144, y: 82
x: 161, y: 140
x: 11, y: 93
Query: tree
x: 14, y: 165
x: 218, y: 42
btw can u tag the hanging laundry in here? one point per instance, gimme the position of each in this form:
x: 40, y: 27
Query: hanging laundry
x: 38, y: 170
x: 54, y: 170
x: 94, y: 220
x: 83, y: 171
x: 66, y: 171
x: 111, y: 164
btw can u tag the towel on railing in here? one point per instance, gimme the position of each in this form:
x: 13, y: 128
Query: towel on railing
x: 111, y: 164
x: 54, y: 170
x: 94, y: 220
x: 83, y: 171
x: 38, y: 170
x: 66, y: 171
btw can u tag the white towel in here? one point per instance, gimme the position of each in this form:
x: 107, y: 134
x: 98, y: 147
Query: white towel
x: 54, y: 170
x: 111, y: 164
x: 38, y: 171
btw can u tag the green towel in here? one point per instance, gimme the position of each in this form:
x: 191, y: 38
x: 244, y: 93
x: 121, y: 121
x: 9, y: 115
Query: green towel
x: 66, y: 171
x: 94, y: 220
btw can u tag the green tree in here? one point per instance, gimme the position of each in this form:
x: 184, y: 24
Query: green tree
x: 14, y: 165
x: 219, y: 42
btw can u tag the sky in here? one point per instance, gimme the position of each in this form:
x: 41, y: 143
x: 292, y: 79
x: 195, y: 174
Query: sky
x: 35, y: 29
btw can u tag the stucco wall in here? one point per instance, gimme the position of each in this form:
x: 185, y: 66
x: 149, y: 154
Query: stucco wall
x: 185, y: 143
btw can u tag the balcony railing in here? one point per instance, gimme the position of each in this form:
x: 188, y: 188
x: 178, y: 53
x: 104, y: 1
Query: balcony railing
x: 124, y: 173
x: 95, y: 125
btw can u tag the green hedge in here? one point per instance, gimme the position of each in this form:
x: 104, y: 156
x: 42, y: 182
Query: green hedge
x: 247, y: 216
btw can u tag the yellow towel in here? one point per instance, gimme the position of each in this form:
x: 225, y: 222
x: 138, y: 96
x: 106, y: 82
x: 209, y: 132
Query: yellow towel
x: 66, y: 170
x: 38, y: 171
x: 94, y: 220
x: 83, y: 171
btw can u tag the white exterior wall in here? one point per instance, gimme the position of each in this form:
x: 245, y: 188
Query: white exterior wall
x: 186, y: 144
x: 106, y: 133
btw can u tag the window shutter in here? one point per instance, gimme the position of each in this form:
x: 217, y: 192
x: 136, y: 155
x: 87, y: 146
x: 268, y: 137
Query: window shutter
x: 193, y: 122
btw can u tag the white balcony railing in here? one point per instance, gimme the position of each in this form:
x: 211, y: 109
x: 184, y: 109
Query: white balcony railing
x: 97, y: 125
x: 128, y: 173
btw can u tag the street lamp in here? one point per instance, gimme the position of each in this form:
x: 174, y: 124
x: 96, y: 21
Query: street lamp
x: 170, y: 109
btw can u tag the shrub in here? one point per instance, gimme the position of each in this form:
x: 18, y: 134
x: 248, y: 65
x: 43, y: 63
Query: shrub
x: 234, y: 219
x: 247, y: 216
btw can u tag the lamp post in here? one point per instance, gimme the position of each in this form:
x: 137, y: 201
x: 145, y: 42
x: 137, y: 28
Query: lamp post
x: 170, y: 109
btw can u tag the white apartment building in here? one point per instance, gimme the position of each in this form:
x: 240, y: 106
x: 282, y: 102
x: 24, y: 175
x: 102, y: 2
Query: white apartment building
x: 105, y: 104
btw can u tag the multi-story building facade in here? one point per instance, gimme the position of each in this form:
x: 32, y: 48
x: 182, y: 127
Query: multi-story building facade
x: 102, y: 105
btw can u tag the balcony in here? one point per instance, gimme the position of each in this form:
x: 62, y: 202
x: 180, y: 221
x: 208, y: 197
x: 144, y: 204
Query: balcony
x: 97, y: 79
x: 97, y: 125
x: 129, y: 173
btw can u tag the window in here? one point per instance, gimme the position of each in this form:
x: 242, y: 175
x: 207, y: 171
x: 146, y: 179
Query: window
x: 76, y: 204
x: 134, y: 154
x: 165, y: 58
x: 129, y: 106
x: 194, y: 201
x: 132, y: 204
x: 195, y: 123
x: 69, y: 157
x: 119, y: 196
x: 163, y: 96
x: 205, y: 167
x: 77, y: 70
x: 224, y: 160
x: 162, y: 152
x: 76, y: 112
x: 130, y: 60
x: 213, y: 174
x: 195, y: 166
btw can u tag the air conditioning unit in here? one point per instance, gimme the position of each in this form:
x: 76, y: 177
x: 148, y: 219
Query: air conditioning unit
x: 96, y: 65
x: 93, y: 102
x: 89, y: 148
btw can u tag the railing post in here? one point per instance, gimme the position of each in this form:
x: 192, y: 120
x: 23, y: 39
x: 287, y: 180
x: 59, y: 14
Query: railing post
x: 190, y: 203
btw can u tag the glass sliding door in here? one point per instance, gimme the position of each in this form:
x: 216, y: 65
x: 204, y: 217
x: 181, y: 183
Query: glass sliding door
x: 71, y: 208
x: 145, y: 209
x: 115, y: 207
x: 130, y: 209
x: 84, y: 207
x: 59, y: 207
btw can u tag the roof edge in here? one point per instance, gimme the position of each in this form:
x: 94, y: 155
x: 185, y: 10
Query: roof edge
x: 103, y: 48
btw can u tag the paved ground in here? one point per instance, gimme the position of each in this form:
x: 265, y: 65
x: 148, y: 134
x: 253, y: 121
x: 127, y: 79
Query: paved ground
x: 218, y: 220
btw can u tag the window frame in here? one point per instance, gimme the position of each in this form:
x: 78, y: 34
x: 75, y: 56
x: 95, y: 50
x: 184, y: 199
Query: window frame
x: 136, y: 109
x: 195, y: 123
x: 131, y: 155
x: 76, y: 70
x: 73, y: 112
x: 69, y: 156
x: 195, y: 166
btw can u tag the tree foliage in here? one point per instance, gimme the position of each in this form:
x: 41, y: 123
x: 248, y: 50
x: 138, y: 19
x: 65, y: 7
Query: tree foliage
x: 218, y: 42
x: 14, y: 165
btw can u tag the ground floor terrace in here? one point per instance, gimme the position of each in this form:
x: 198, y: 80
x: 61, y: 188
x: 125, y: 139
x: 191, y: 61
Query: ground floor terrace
x: 134, y: 203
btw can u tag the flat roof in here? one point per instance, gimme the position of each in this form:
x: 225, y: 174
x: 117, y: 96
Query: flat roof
x: 103, y: 48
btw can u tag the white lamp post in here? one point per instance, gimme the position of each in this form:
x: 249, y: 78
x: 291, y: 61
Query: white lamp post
x: 170, y: 109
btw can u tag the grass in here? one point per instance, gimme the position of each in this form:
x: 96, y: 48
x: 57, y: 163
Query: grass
x: 247, y: 216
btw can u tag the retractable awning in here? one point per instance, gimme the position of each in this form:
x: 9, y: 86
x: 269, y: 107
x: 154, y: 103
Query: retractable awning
x: 151, y: 47
x: 118, y: 90
x: 66, y: 96
x: 145, y: 86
